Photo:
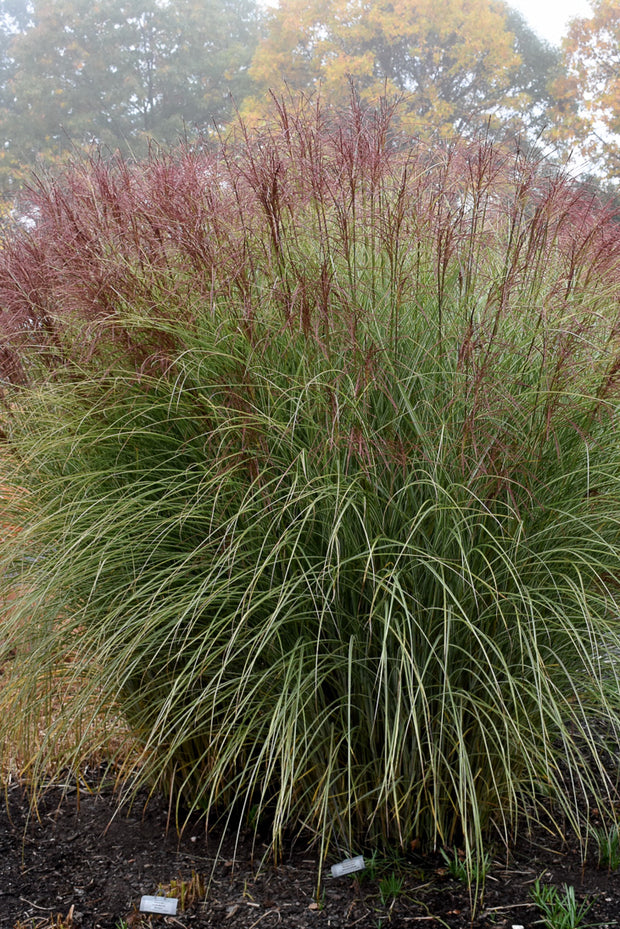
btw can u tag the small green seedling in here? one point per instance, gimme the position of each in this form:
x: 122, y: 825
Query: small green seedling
x: 467, y: 870
x: 560, y: 910
x: 377, y: 866
x: 390, y: 888
x: 608, y: 842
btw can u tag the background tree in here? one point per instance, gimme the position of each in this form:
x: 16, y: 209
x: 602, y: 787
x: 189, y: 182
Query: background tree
x: 540, y: 67
x: 118, y: 72
x: 588, y: 112
x: 14, y: 16
x: 460, y: 64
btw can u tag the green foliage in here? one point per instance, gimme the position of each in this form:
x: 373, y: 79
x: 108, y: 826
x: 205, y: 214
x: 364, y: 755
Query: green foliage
x: 390, y: 888
x: 466, y: 870
x: 320, y: 481
x: 378, y: 866
x: 560, y: 910
x: 608, y: 844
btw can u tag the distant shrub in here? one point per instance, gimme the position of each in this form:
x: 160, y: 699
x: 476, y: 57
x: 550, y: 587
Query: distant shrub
x: 319, y: 439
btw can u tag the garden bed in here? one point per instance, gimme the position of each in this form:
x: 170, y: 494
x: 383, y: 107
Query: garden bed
x: 85, y: 863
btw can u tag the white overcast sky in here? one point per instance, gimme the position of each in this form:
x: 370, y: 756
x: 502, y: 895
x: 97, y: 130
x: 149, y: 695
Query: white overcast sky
x: 549, y: 18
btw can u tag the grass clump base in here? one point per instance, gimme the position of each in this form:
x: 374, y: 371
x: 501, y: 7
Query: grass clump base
x: 317, y: 437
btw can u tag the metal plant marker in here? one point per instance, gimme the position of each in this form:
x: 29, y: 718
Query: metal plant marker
x: 348, y: 866
x: 159, y: 904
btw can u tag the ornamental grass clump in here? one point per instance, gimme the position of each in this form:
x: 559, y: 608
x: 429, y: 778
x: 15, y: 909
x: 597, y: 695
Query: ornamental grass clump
x: 317, y: 442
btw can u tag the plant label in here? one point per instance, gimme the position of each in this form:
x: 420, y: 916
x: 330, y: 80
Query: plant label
x: 159, y: 904
x: 348, y: 866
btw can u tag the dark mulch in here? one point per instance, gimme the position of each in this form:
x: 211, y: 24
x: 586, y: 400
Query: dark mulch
x: 80, y: 858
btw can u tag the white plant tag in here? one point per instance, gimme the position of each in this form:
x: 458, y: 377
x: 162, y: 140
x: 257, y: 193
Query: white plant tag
x: 159, y: 904
x: 348, y: 866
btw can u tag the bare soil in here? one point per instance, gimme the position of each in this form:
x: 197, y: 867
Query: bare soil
x: 79, y: 862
